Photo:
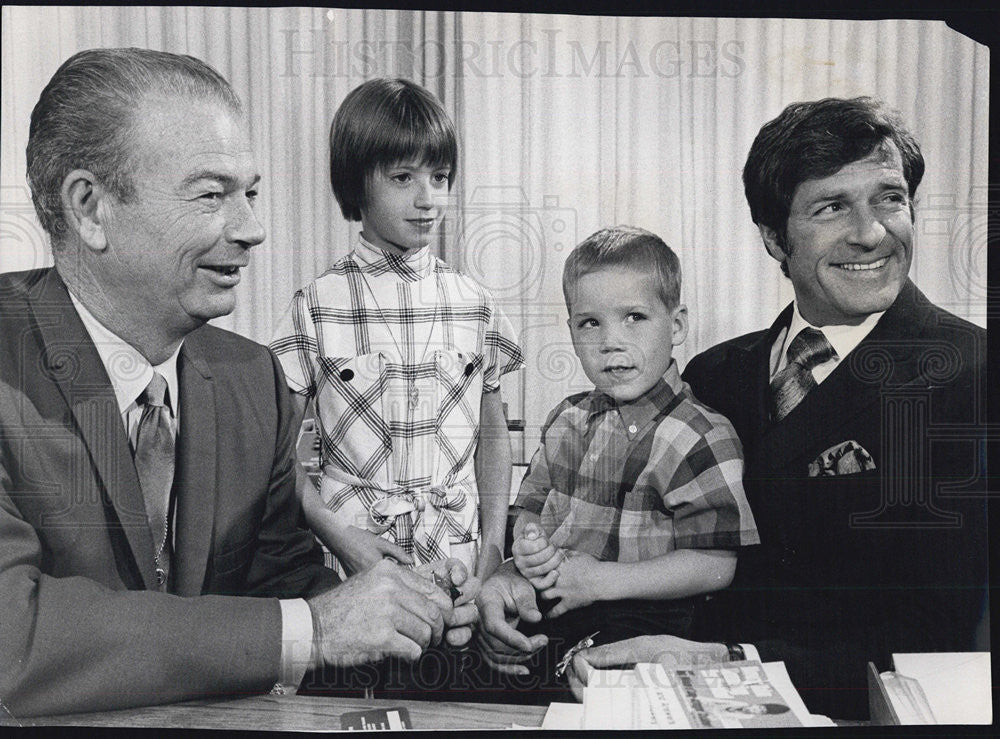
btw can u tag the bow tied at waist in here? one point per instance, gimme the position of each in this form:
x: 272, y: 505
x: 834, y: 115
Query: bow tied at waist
x: 421, y: 520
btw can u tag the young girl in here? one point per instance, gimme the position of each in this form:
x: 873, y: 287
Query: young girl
x: 401, y: 354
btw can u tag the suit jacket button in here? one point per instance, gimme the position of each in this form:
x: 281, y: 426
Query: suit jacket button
x: 346, y: 375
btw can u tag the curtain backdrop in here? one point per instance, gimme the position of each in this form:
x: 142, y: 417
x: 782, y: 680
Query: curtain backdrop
x: 567, y: 124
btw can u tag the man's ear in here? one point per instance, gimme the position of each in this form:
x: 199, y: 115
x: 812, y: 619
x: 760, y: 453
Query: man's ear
x: 772, y: 243
x: 680, y: 325
x: 81, y: 200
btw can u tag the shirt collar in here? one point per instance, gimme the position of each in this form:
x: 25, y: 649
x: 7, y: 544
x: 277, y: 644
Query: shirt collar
x: 646, y: 407
x: 843, y: 339
x: 128, y: 370
x: 374, y: 261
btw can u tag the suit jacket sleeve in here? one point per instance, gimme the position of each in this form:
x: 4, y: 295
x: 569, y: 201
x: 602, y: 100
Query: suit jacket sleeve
x: 71, y: 644
x: 73, y: 638
x: 288, y: 562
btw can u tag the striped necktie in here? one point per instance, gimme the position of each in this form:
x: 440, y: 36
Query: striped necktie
x: 154, y: 461
x: 808, y: 349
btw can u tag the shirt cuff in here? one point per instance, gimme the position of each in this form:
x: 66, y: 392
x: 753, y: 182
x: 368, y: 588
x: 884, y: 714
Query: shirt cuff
x: 296, y: 644
x: 751, y: 652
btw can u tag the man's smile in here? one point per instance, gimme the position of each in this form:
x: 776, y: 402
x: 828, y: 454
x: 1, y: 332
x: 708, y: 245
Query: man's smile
x: 863, y: 266
x: 223, y: 275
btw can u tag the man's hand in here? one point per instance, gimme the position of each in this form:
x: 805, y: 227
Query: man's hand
x: 504, y: 600
x: 535, y: 557
x: 575, y: 585
x: 382, y: 611
x: 464, y: 614
x: 669, y: 651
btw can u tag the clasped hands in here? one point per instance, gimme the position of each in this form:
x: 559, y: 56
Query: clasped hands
x: 557, y: 574
x: 508, y: 597
x: 386, y: 610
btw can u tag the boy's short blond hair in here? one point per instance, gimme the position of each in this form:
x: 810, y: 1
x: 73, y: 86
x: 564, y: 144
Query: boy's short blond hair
x: 626, y: 246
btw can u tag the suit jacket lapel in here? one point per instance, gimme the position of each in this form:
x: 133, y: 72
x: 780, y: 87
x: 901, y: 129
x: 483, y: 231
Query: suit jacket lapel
x: 75, y: 366
x: 194, y: 482
x: 880, y: 360
x: 754, y: 362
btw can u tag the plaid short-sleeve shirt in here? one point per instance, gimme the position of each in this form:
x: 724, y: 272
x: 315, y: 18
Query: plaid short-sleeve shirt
x: 397, y: 351
x: 632, y: 481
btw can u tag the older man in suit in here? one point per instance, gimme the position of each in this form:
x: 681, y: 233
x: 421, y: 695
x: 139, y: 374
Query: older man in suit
x: 862, y: 415
x: 147, y: 477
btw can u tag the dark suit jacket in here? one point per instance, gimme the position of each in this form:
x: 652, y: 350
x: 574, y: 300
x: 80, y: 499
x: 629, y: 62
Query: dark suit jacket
x: 855, y: 567
x: 80, y: 628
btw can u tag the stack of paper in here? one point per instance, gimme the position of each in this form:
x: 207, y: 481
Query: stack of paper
x: 731, y: 695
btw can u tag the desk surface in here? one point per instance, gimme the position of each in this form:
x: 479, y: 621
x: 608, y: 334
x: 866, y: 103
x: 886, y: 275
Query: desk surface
x: 296, y: 713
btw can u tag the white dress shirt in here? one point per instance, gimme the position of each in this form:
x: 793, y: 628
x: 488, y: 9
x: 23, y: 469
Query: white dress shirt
x: 130, y: 373
x: 843, y: 339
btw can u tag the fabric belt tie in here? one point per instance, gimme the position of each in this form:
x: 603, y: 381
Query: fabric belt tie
x: 420, y: 519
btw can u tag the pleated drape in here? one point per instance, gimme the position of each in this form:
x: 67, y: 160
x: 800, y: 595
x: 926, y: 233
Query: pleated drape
x: 567, y: 124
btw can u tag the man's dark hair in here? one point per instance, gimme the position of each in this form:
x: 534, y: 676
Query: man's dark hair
x: 84, y: 119
x: 380, y: 123
x: 813, y: 140
x: 630, y: 247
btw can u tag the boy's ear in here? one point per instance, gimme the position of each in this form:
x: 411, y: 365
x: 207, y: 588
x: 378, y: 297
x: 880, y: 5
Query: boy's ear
x: 772, y: 243
x: 680, y: 325
x: 572, y: 333
x: 82, y: 199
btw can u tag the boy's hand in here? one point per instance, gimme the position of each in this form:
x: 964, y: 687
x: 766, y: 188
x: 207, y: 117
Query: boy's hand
x: 575, y: 586
x: 535, y: 557
x: 358, y: 549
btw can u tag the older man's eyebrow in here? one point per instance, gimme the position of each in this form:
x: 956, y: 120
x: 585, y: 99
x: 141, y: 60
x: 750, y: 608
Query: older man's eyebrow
x: 228, y: 181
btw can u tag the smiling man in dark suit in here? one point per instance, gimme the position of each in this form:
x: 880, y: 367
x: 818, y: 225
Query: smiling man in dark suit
x: 862, y: 415
x: 147, y: 476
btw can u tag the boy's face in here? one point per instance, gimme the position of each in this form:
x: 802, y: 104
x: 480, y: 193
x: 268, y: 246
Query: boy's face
x: 622, y: 332
x: 405, y: 205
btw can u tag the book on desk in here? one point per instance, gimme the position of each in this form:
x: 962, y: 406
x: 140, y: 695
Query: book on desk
x: 740, y: 695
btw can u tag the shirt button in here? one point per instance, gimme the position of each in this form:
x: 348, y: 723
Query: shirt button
x: 632, y: 429
x: 593, y: 457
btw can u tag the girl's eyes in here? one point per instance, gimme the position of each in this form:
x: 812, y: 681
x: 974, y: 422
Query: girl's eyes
x: 404, y: 178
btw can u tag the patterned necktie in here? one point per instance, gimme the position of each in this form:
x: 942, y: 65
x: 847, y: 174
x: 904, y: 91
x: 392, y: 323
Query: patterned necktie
x: 154, y: 461
x: 808, y: 349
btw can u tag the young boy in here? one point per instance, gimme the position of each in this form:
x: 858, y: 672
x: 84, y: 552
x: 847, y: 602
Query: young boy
x: 634, y: 496
x: 401, y: 354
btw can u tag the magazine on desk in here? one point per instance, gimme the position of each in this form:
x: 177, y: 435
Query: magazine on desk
x: 737, y: 695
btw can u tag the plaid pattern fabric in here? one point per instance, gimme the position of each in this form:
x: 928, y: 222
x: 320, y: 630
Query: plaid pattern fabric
x: 632, y: 481
x: 357, y: 339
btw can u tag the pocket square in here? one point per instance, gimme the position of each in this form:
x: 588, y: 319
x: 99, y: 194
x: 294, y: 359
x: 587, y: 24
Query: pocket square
x: 845, y: 458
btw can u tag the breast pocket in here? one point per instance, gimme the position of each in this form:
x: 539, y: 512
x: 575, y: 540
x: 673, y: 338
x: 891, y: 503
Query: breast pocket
x: 350, y: 399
